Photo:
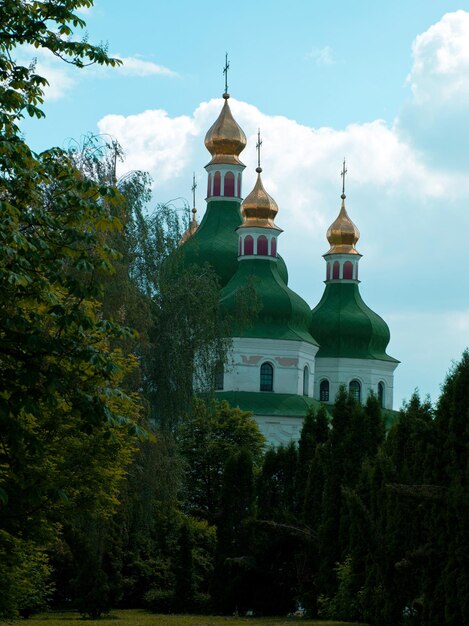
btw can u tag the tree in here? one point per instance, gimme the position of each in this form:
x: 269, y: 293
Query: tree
x: 189, y: 338
x: 208, y: 436
x: 67, y: 426
x: 450, y: 511
x: 234, y: 572
x: 314, y: 433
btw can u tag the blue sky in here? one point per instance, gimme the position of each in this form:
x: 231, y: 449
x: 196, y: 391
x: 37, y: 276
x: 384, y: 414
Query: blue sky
x: 384, y: 84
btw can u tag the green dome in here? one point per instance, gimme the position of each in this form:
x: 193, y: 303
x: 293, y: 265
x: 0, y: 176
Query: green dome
x: 281, y: 314
x: 216, y: 241
x: 346, y: 327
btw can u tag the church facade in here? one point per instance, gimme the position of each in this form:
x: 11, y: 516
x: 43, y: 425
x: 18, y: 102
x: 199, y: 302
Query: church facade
x: 287, y: 357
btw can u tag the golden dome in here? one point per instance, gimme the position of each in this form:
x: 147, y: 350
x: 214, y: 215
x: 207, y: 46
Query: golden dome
x: 225, y: 140
x: 343, y: 234
x: 259, y: 209
x: 190, y: 230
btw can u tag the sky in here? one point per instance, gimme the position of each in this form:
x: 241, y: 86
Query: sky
x: 383, y: 84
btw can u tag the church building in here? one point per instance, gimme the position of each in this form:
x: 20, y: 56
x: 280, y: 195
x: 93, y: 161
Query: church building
x: 287, y: 357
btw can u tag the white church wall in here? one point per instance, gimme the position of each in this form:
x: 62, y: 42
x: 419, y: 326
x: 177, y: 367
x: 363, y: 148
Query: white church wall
x: 368, y: 372
x: 279, y: 430
x: 288, y: 359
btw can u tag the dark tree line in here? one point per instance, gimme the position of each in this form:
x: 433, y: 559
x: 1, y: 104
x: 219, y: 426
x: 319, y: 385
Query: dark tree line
x: 350, y: 523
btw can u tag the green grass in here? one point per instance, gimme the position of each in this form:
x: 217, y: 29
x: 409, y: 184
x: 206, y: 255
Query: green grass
x: 142, y: 618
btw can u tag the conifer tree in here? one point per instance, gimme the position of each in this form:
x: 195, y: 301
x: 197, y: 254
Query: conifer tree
x: 450, y: 513
x: 233, y: 586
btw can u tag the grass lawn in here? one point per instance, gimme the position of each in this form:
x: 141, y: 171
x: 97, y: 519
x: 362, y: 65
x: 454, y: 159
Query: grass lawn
x: 142, y: 618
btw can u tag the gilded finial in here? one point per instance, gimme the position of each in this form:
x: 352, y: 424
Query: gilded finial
x: 226, y: 95
x: 258, y: 148
x: 193, y: 188
x: 342, y: 174
x: 342, y: 233
x: 225, y: 140
x: 258, y: 208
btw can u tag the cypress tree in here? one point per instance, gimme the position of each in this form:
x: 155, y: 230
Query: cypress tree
x: 233, y: 584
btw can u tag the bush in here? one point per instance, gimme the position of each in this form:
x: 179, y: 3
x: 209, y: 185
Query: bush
x: 159, y: 600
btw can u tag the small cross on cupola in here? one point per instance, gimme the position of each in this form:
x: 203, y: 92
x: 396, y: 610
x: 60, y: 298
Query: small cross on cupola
x: 258, y: 148
x: 193, y: 188
x: 225, y: 72
x: 342, y: 174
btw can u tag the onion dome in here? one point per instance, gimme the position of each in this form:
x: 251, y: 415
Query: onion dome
x: 346, y: 327
x: 225, y: 140
x: 278, y: 312
x: 259, y: 209
x: 343, y: 234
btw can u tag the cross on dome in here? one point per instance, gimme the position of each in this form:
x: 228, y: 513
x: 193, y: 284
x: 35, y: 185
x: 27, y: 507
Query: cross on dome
x: 225, y: 72
x: 342, y: 173
x: 342, y: 234
x: 193, y: 188
x: 258, y: 148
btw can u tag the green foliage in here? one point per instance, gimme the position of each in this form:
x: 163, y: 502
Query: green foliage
x: 232, y: 588
x: 190, y: 566
x: 277, y: 484
x: 25, y: 585
x: 210, y: 434
x: 344, y: 603
x: 189, y: 338
x: 67, y: 426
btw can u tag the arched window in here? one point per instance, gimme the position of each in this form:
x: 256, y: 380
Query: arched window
x: 329, y: 271
x: 273, y: 247
x: 248, y: 245
x: 239, y: 185
x: 348, y: 270
x: 335, y: 270
x: 262, y: 245
x: 229, y: 184
x: 267, y: 377
x: 219, y: 377
x: 305, y: 381
x: 216, y: 184
x: 355, y: 390
x: 324, y: 391
x: 381, y: 394
x: 209, y: 186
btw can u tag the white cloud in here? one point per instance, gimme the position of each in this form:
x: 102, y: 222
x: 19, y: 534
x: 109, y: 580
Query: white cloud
x: 435, y: 119
x: 322, y: 56
x: 441, y: 60
x: 153, y: 141
x: 134, y: 66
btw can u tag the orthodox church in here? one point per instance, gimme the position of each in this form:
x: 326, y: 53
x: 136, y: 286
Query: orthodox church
x: 288, y: 357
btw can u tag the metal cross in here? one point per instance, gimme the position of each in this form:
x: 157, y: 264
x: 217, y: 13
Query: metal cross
x: 193, y: 188
x: 342, y: 173
x: 258, y: 147
x: 225, y: 71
